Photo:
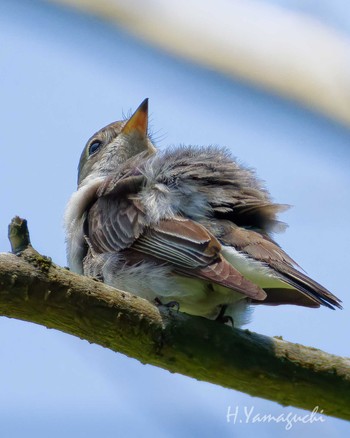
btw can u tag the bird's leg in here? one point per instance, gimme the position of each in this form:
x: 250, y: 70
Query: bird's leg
x: 224, y: 319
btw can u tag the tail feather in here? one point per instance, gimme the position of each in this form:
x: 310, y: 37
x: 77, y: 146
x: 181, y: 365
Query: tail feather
x: 311, y: 289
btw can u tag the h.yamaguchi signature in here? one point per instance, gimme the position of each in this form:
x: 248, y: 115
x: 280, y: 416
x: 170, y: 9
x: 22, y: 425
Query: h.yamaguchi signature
x: 245, y: 415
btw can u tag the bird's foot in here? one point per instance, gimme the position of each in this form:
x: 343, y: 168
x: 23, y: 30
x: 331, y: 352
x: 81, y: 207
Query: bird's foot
x: 170, y: 305
x: 224, y: 319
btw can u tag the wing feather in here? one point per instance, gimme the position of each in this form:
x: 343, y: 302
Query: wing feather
x: 261, y: 248
x: 194, y: 252
x: 117, y: 223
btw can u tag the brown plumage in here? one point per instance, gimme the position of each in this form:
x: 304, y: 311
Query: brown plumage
x: 187, y: 225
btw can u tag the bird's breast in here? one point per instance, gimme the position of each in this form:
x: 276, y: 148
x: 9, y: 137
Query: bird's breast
x: 74, y: 222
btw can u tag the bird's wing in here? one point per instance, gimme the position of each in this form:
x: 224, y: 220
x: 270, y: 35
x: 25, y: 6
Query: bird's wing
x: 250, y: 212
x: 263, y: 249
x: 194, y: 252
x: 114, y: 222
x: 117, y: 222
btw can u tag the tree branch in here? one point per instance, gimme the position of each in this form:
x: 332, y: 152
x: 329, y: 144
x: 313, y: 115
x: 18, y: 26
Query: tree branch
x: 34, y: 289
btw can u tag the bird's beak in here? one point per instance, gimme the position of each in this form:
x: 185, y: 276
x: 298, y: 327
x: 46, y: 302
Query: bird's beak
x: 138, y: 122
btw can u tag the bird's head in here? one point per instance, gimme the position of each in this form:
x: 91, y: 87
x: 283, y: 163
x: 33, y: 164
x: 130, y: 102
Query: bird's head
x: 114, y: 144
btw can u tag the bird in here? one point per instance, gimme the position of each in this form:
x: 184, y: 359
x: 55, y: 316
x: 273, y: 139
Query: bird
x: 186, y: 225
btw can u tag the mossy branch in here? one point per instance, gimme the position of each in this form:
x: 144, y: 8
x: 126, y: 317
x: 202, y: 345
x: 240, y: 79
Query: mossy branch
x: 34, y: 289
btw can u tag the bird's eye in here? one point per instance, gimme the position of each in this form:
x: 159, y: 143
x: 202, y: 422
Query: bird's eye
x: 95, y: 146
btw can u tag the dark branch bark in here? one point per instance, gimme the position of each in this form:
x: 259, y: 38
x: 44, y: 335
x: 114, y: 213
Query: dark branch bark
x: 33, y: 289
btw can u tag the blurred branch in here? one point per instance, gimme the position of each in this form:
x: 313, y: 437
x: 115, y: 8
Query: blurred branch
x: 287, y: 52
x: 34, y: 289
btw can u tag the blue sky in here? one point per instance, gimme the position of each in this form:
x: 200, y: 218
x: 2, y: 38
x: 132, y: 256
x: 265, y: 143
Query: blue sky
x: 65, y: 75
